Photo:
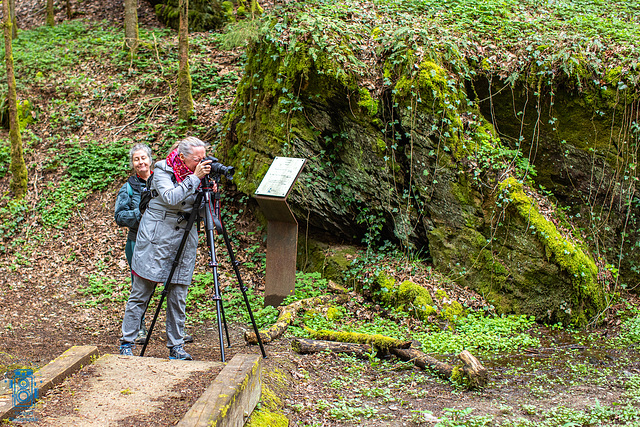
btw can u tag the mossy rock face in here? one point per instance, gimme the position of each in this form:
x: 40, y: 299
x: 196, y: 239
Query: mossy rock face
x: 332, y: 261
x: 394, y: 173
x: 204, y: 15
x: 582, y: 150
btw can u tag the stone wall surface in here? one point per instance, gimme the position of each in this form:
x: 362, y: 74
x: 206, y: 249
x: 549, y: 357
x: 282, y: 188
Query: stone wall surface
x: 424, y: 165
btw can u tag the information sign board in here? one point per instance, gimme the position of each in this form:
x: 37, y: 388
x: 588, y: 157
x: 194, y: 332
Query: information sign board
x: 280, y: 177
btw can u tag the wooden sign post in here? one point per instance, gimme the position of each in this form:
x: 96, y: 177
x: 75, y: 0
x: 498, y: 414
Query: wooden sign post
x: 282, y: 228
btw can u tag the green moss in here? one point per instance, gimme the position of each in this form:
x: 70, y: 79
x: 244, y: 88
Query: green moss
x: 458, y: 377
x: 333, y: 313
x: 24, y: 114
x: 441, y: 294
x: 227, y: 9
x: 452, y: 311
x: 378, y: 341
x: 380, y: 146
x: 261, y: 418
x: 385, y: 287
x: 185, y: 99
x: 567, y: 254
x: 413, y: 297
x: 438, y: 93
x: 267, y: 413
x: 409, y: 291
x: 367, y: 102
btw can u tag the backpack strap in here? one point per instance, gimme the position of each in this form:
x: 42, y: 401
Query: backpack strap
x: 129, y: 189
x: 134, y: 183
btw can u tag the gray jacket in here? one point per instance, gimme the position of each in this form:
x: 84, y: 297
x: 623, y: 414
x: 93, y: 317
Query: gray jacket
x: 163, y: 226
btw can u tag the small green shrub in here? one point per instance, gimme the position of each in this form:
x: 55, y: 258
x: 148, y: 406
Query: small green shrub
x: 59, y: 202
x: 629, y: 332
x: 104, y: 290
x: 12, y: 214
x: 94, y: 166
x: 5, y: 157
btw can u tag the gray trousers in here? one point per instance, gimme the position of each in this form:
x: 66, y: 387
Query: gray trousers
x: 141, y: 291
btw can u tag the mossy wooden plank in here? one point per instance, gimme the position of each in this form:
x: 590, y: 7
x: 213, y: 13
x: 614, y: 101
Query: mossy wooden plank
x: 231, y: 397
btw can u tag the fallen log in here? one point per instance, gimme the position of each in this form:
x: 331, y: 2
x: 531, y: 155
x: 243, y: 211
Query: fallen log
x: 307, y: 346
x: 286, y: 316
x: 471, y: 374
x: 379, y: 342
x: 476, y: 374
x: 423, y: 361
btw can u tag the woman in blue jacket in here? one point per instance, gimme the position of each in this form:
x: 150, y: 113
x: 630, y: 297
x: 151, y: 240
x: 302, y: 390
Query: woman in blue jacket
x: 127, y: 213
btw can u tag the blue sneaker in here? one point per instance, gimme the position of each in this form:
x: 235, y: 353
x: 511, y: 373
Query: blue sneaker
x: 126, y: 349
x: 177, y: 352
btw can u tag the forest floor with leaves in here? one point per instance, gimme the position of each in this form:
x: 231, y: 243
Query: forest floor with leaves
x: 45, y: 307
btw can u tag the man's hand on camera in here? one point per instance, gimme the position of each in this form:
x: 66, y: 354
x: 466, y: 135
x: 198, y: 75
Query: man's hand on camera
x: 203, y: 169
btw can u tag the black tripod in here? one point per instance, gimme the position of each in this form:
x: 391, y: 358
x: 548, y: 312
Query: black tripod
x: 212, y: 218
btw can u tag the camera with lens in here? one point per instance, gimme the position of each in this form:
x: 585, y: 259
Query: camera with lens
x: 218, y: 169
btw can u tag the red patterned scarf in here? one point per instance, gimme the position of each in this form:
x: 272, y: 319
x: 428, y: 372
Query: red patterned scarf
x: 180, y: 170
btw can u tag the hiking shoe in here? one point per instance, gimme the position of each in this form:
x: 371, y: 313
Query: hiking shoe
x: 177, y: 352
x: 142, y: 337
x: 188, y: 338
x: 126, y: 349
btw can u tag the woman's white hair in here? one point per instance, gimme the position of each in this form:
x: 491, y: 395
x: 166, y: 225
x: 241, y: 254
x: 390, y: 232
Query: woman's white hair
x: 187, y: 145
x: 140, y: 147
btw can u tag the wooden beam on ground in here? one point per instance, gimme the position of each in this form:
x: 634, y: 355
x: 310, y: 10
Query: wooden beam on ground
x: 50, y: 375
x: 307, y: 346
x: 231, y: 397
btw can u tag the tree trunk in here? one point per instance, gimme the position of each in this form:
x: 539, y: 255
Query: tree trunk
x: 69, y: 12
x: 131, y: 37
x: 306, y: 346
x: 14, y: 24
x: 185, y: 100
x: 18, y: 168
x: 50, y: 17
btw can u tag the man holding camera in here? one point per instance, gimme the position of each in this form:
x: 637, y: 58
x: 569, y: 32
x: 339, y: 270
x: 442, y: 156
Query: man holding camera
x: 175, y: 184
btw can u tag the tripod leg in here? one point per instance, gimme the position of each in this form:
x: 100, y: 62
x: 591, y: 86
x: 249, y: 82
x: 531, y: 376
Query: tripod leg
x: 243, y: 288
x: 224, y: 320
x: 165, y: 291
x: 219, y: 311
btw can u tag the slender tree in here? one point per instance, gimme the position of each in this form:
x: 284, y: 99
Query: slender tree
x: 50, y: 18
x: 131, y: 37
x: 18, y: 167
x: 69, y: 13
x: 185, y: 100
x: 14, y: 24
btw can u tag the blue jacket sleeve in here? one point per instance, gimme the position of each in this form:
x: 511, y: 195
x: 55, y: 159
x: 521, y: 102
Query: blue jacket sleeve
x: 126, y: 215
